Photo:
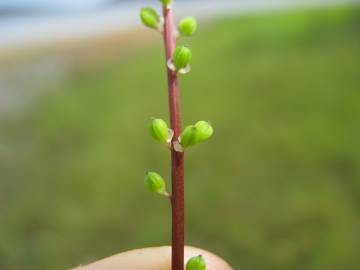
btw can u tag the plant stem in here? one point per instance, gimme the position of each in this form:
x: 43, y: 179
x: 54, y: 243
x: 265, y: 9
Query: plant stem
x: 177, y: 158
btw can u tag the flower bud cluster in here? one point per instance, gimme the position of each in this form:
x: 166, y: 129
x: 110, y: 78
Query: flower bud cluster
x: 192, y: 135
x: 180, y: 61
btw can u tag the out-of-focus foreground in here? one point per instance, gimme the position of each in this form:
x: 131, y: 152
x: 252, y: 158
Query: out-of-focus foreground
x: 277, y: 188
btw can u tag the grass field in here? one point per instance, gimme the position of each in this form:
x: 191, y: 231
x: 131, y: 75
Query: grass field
x: 278, y: 187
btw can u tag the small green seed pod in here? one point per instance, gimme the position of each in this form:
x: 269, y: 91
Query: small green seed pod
x: 187, y: 26
x: 188, y: 136
x: 196, y: 263
x: 195, y: 134
x: 166, y: 3
x: 204, y: 131
x: 150, y: 17
x: 182, y: 57
x: 160, y: 131
x: 155, y: 183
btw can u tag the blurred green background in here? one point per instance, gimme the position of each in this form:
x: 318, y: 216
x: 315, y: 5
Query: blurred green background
x: 278, y: 187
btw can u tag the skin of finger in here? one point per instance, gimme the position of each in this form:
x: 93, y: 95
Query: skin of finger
x: 158, y: 258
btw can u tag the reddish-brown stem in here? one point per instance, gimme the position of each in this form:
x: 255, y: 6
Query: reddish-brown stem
x: 177, y: 158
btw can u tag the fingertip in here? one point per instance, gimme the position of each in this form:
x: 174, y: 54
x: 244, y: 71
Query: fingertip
x: 213, y: 262
x: 158, y: 258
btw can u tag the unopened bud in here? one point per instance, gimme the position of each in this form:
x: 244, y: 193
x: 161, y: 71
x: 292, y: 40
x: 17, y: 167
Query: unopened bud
x: 160, y: 131
x: 188, y: 136
x: 187, y: 26
x: 150, y: 17
x: 155, y: 183
x: 181, y: 58
x: 204, y: 131
x: 195, y: 134
x: 166, y: 3
x: 196, y: 263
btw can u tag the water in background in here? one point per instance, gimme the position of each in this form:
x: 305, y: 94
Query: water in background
x: 30, y: 23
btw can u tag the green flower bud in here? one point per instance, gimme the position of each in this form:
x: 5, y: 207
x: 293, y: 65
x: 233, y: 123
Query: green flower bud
x: 196, y: 263
x: 188, y: 136
x: 195, y: 134
x: 166, y: 2
x: 204, y: 131
x: 159, y: 130
x: 181, y: 58
x: 150, y: 17
x: 155, y: 183
x: 187, y: 26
